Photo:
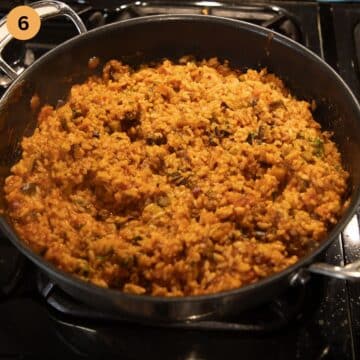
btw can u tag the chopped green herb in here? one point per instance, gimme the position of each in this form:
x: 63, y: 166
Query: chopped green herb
x: 221, y: 133
x: 156, y: 139
x: 318, y: 147
x: 274, y: 195
x: 96, y: 134
x: 84, y: 270
x: 213, y: 141
x: 254, y: 101
x: 76, y: 113
x: 163, y: 201
x: 177, y: 178
x: 224, y: 105
x: 126, y: 261
x: 251, y: 137
x: 338, y: 167
x: 261, y: 132
x: 64, y: 124
x: 304, y: 185
x: 136, y: 239
x: 276, y: 105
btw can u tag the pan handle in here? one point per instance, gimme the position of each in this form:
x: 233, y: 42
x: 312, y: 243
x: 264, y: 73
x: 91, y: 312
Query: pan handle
x: 350, y: 271
x: 46, y: 10
x: 347, y: 272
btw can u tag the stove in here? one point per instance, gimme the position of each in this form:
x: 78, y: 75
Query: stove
x: 316, y: 319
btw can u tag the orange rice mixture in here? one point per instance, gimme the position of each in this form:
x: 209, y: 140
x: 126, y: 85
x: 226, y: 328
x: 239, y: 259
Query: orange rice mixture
x: 176, y: 179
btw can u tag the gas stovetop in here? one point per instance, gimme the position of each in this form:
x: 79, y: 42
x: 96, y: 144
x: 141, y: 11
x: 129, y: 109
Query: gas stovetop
x: 316, y: 320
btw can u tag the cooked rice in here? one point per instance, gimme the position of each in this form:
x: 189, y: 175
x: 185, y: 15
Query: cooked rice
x: 177, y: 179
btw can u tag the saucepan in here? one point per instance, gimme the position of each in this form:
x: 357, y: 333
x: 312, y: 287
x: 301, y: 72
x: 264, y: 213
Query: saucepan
x: 148, y: 39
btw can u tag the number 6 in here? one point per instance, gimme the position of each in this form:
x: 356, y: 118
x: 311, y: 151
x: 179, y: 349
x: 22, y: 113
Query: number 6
x: 23, y: 22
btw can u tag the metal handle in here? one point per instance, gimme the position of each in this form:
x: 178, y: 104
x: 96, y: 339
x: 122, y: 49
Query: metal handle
x: 347, y: 272
x: 46, y: 10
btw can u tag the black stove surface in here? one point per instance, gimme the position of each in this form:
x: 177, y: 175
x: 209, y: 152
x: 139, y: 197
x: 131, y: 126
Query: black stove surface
x: 318, y: 320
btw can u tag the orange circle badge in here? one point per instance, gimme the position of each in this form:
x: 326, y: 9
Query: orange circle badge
x: 23, y: 22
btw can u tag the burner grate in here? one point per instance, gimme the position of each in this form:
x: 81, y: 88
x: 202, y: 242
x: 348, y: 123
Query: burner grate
x: 272, y: 17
